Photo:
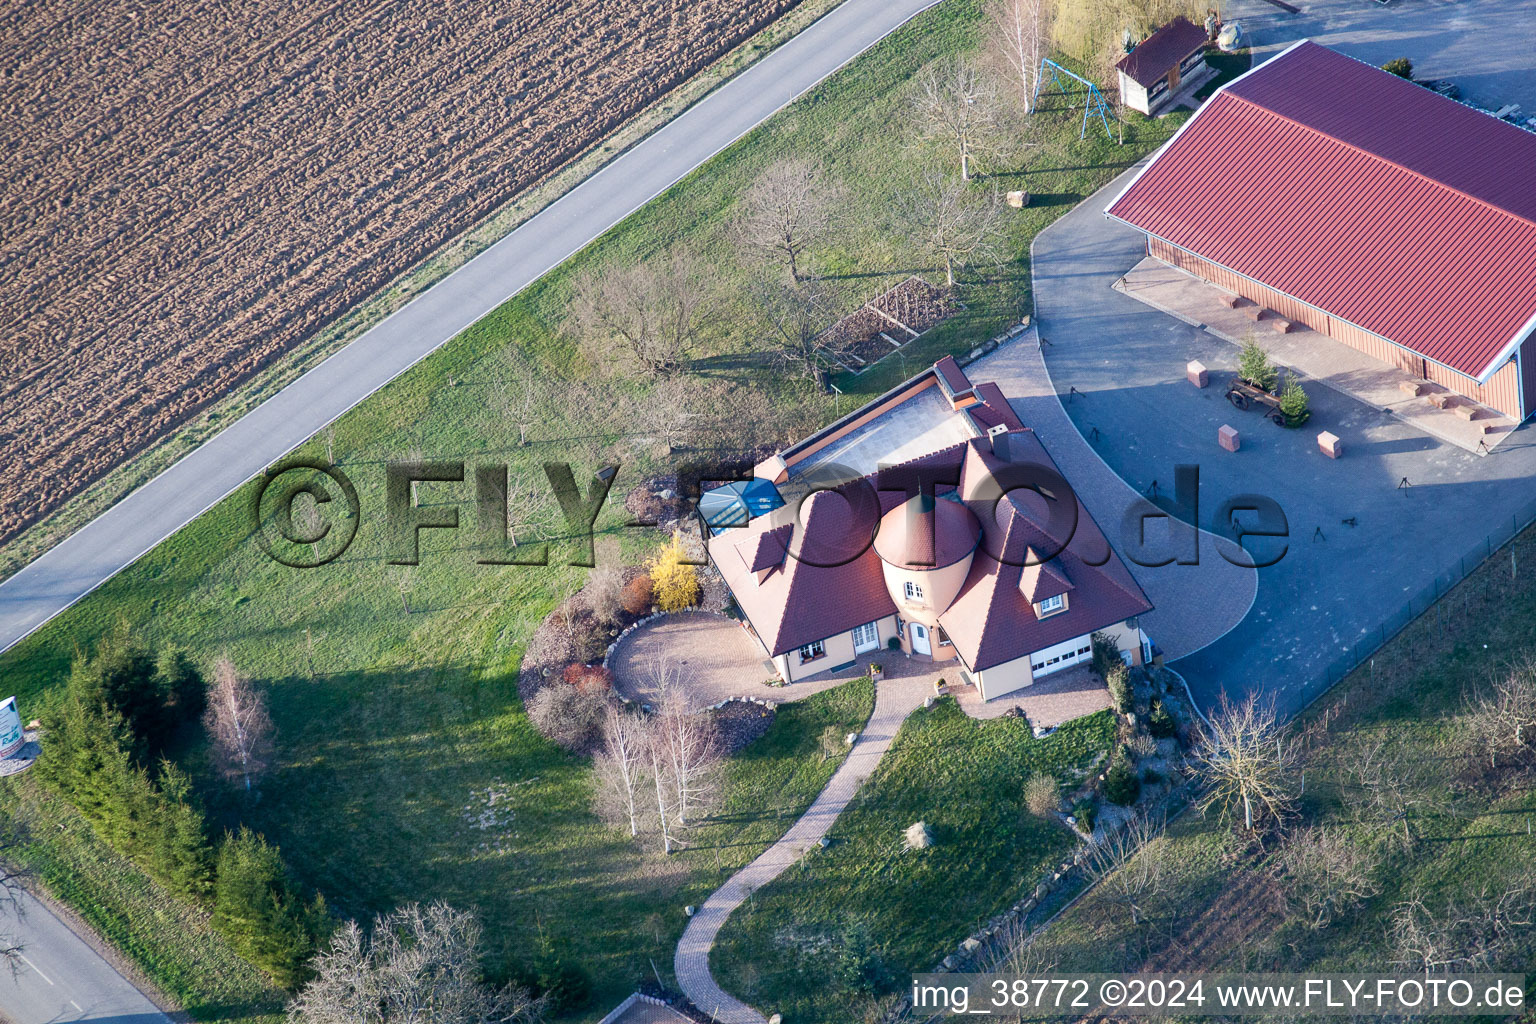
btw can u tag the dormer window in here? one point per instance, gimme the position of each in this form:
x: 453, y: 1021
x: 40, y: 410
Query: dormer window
x: 1050, y: 606
x: 914, y: 591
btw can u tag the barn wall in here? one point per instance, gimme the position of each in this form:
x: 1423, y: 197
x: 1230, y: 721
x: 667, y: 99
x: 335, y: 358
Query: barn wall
x: 1528, y: 368
x: 1502, y: 392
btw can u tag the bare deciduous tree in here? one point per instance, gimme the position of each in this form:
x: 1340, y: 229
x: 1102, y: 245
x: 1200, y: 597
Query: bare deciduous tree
x: 796, y: 316
x: 689, y: 741
x: 1245, y: 758
x: 620, y: 766
x: 567, y: 715
x: 1128, y: 864
x: 657, y: 311
x: 955, y: 103
x: 238, y: 725
x: 950, y: 226
x: 1501, y: 715
x: 419, y: 965
x: 1464, y: 935
x: 1392, y: 785
x: 1325, y: 875
x: 789, y: 207
x: 1019, y: 39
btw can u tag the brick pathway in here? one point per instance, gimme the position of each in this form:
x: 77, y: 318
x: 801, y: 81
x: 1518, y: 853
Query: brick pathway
x: 895, y: 698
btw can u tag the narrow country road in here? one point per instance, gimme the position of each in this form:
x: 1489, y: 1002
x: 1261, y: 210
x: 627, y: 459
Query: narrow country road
x: 895, y: 699
x: 59, y: 978
x: 156, y: 510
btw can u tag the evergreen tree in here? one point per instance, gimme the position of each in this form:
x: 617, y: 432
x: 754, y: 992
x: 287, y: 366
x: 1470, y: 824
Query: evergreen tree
x: 257, y: 908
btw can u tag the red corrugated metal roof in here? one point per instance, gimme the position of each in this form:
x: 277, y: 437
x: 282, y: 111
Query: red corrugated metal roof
x: 1159, y: 52
x: 1362, y: 194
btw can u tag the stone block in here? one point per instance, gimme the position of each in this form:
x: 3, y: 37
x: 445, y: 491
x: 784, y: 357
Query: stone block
x: 1442, y: 400
x: 1466, y: 410
x: 1197, y: 374
x: 1229, y: 300
x: 1411, y: 387
x: 1330, y: 445
x: 1018, y: 200
x: 1255, y: 313
x: 1281, y: 325
x: 1227, y: 438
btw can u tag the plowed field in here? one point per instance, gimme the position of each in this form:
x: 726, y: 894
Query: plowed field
x: 191, y: 187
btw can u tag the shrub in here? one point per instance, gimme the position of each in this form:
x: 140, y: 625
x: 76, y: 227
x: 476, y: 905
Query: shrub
x: 1161, y: 723
x: 567, y: 715
x: 636, y: 597
x: 1402, y: 67
x: 1106, y: 654
x: 893, y: 644
x: 604, y: 594
x: 1121, y: 785
x: 1253, y: 365
x: 1041, y: 795
x: 1118, y: 679
x: 1084, y: 813
x: 1151, y: 776
x: 674, y: 582
x: 257, y: 908
x: 592, y: 679
x: 1293, y: 400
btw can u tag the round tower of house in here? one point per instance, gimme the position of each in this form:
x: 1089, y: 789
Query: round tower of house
x: 925, y: 548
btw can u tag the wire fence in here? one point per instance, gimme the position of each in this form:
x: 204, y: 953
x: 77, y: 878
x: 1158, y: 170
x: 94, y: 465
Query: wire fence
x: 1425, y: 598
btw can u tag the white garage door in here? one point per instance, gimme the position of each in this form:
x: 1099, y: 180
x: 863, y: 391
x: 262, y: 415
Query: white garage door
x: 1065, y: 655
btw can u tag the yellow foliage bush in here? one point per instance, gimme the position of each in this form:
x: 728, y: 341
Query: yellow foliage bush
x: 674, y: 583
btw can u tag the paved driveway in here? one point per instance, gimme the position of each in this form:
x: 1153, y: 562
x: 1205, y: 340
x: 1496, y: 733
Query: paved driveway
x: 1487, y: 47
x: 1336, y: 584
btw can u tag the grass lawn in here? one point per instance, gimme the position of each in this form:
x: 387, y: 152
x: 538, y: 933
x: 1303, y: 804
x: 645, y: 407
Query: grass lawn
x: 392, y: 687
x: 1222, y: 907
x: 855, y: 920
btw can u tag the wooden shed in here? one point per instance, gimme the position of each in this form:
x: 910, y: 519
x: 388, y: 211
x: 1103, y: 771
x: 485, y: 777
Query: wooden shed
x: 1169, y: 59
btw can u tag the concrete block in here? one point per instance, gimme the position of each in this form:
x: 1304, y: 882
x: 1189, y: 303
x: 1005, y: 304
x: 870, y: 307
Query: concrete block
x: 1255, y: 313
x: 1282, y: 325
x: 1330, y: 445
x: 1197, y: 374
x: 1442, y: 400
x: 1227, y: 438
x: 1411, y: 387
x: 1229, y: 300
x: 1466, y: 410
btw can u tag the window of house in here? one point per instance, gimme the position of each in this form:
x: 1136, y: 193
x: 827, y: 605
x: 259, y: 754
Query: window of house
x: 1050, y: 605
x: 914, y: 591
x: 810, y: 652
x: 944, y: 638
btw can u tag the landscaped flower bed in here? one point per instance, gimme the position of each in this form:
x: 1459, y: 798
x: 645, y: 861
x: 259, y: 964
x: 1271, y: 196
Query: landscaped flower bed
x: 886, y: 323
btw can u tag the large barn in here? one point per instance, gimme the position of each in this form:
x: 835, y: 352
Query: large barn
x: 1369, y: 208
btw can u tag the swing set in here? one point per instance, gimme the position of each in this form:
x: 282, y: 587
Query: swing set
x: 1095, y: 105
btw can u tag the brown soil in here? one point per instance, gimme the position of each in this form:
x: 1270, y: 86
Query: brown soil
x: 190, y: 188
x: 865, y: 336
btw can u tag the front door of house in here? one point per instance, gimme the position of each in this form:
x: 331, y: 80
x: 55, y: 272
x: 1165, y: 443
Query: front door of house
x: 865, y: 638
x: 920, y: 642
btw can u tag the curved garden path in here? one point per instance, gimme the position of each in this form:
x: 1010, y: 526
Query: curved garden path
x: 895, y: 699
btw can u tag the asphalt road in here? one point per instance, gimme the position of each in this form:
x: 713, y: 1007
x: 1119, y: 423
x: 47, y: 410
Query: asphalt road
x: 157, y: 509
x: 60, y: 978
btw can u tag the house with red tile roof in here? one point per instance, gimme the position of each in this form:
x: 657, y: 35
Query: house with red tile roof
x: 1364, y: 206
x: 974, y: 550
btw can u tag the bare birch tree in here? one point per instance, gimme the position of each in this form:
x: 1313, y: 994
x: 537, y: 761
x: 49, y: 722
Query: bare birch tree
x: 621, y: 766
x: 661, y: 788
x: 789, y: 207
x: 955, y: 103
x: 657, y: 311
x: 1244, y: 757
x: 689, y: 741
x: 418, y: 965
x: 1019, y: 38
x: 950, y: 226
x: 239, y: 727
